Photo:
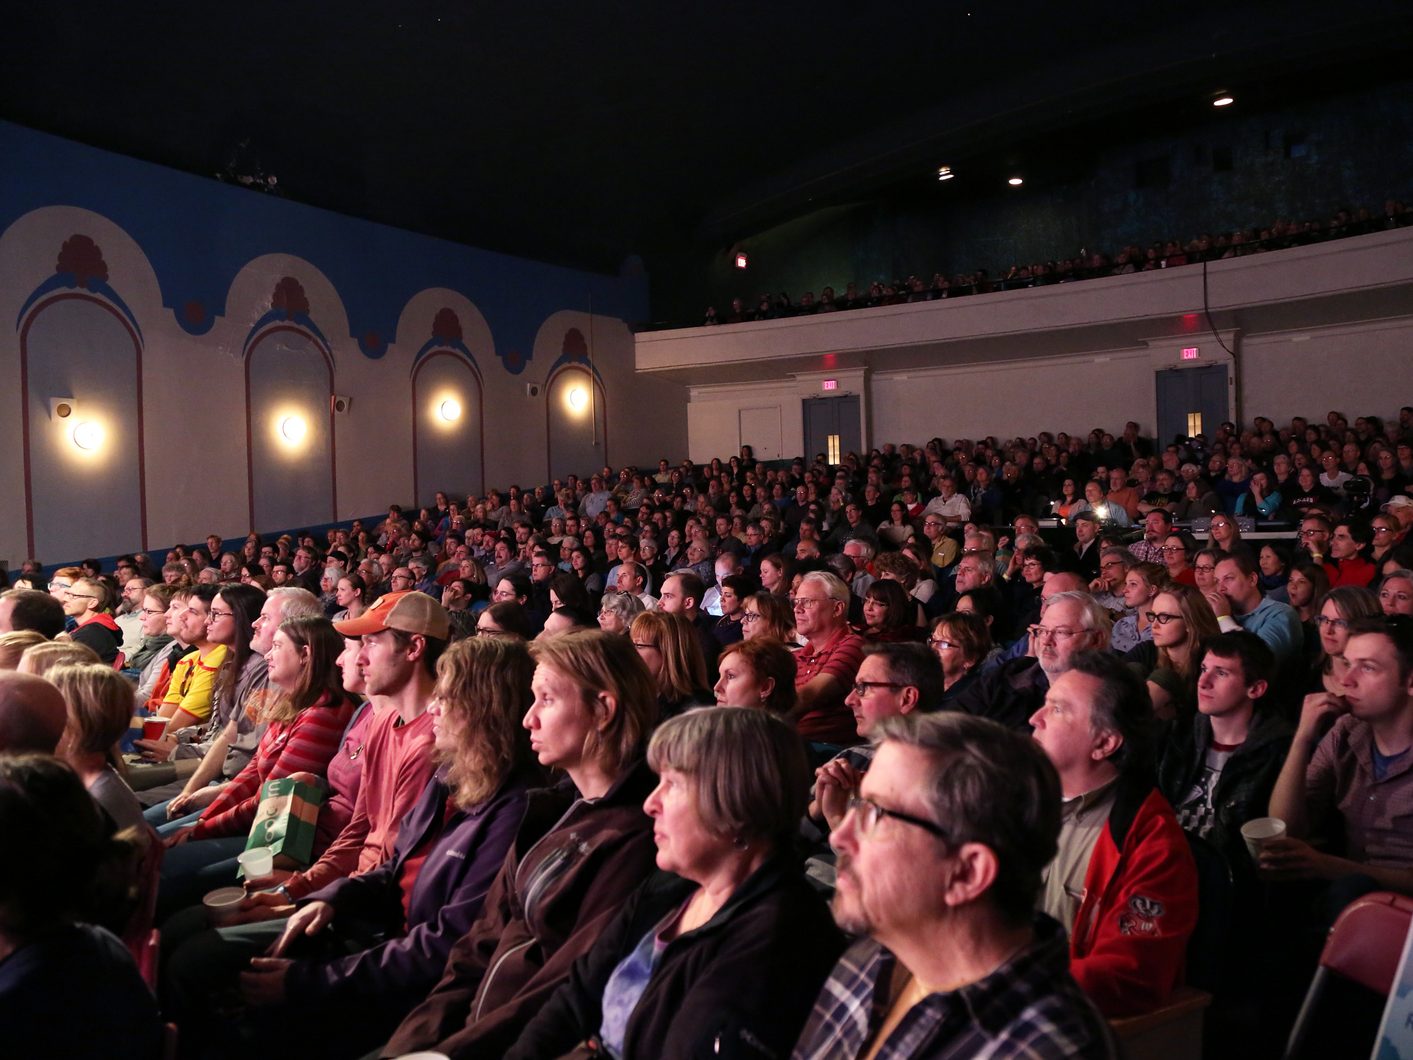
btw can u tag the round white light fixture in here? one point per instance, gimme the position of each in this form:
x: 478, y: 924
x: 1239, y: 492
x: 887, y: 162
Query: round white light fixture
x: 578, y: 398
x: 1223, y: 99
x: 449, y: 410
x: 1016, y: 182
x: 293, y: 429
x: 88, y: 435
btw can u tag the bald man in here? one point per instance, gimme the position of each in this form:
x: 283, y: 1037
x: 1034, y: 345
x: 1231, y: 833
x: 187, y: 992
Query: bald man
x: 32, y: 714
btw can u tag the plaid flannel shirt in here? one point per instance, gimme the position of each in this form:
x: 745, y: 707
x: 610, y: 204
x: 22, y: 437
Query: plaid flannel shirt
x: 1028, y: 1007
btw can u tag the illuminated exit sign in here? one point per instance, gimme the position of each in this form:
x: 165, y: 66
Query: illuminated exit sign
x: 1189, y: 353
x: 830, y: 384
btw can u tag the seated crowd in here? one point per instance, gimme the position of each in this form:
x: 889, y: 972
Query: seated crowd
x: 1086, y: 265
x: 1004, y: 718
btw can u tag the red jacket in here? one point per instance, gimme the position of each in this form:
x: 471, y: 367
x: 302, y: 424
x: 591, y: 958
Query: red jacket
x: 1138, y: 910
x: 1356, y: 571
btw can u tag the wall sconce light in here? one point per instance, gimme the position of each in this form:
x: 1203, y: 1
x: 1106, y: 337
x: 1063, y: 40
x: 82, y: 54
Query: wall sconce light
x: 293, y: 429
x: 449, y: 410
x: 578, y: 398
x: 88, y: 435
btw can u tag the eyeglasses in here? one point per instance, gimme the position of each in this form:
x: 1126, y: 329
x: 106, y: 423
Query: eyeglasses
x: 862, y: 688
x: 83, y: 596
x: 488, y: 631
x: 1058, y: 633
x: 1171, y: 548
x: 804, y: 603
x: 152, y: 611
x: 1205, y: 568
x: 56, y: 586
x: 868, y: 813
x: 1333, y: 623
x: 748, y: 617
x: 940, y: 644
x: 1161, y: 618
x: 1382, y: 530
x: 1312, y: 533
x: 215, y: 616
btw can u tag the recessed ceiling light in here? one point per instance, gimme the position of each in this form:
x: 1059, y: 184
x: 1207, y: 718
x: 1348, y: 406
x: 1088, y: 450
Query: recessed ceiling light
x: 945, y: 173
x: 1016, y: 182
x: 1223, y: 99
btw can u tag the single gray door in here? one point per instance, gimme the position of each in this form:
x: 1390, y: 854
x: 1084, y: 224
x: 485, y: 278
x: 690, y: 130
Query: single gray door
x: 1191, y: 401
x: 832, y: 427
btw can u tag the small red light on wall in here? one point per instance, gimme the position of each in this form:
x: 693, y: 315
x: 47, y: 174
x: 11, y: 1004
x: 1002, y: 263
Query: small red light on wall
x: 742, y: 261
x: 830, y: 384
x: 1189, y: 353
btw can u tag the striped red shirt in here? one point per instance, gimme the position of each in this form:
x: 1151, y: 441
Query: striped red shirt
x: 305, y: 744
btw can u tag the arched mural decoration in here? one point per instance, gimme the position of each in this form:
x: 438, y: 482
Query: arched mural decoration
x: 289, y: 418
x: 448, y: 414
x: 83, y: 473
x: 576, y: 411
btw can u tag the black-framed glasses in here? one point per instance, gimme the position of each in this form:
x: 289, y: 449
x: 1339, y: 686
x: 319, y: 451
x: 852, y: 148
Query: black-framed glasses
x: 1333, y: 623
x: 940, y: 643
x: 748, y: 617
x: 215, y: 616
x: 868, y: 813
x: 1161, y: 618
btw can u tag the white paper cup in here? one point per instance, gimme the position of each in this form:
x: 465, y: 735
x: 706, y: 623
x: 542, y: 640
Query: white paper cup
x: 1259, y: 832
x: 222, y: 903
x: 257, y: 864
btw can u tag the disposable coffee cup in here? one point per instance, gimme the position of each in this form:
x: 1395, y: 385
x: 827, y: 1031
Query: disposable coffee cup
x: 1259, y: 832
x: 153, y: 728
x: 222, y: 904
x: 256, y: 864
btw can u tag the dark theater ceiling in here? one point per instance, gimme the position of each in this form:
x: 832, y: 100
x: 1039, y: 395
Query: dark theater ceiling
x: 583, y: 133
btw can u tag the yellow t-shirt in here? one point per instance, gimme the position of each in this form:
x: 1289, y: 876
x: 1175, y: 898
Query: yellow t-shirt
x: 194, y: 681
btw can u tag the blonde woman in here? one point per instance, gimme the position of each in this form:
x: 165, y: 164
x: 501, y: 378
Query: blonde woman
x: 585, y: 848
x: 42, y: 658
x: 99, y: 701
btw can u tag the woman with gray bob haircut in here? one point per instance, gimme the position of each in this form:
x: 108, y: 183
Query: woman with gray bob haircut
x: 727, y: 946
x: 617, y: 611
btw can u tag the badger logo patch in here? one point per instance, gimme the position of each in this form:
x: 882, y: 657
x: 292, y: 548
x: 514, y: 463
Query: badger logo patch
x: 1141, y: 917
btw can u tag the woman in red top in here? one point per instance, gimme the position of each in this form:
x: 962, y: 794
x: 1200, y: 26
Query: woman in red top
x: 305, y: 715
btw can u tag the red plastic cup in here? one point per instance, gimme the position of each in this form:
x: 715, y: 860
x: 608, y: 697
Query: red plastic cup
x: 153, y: 728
